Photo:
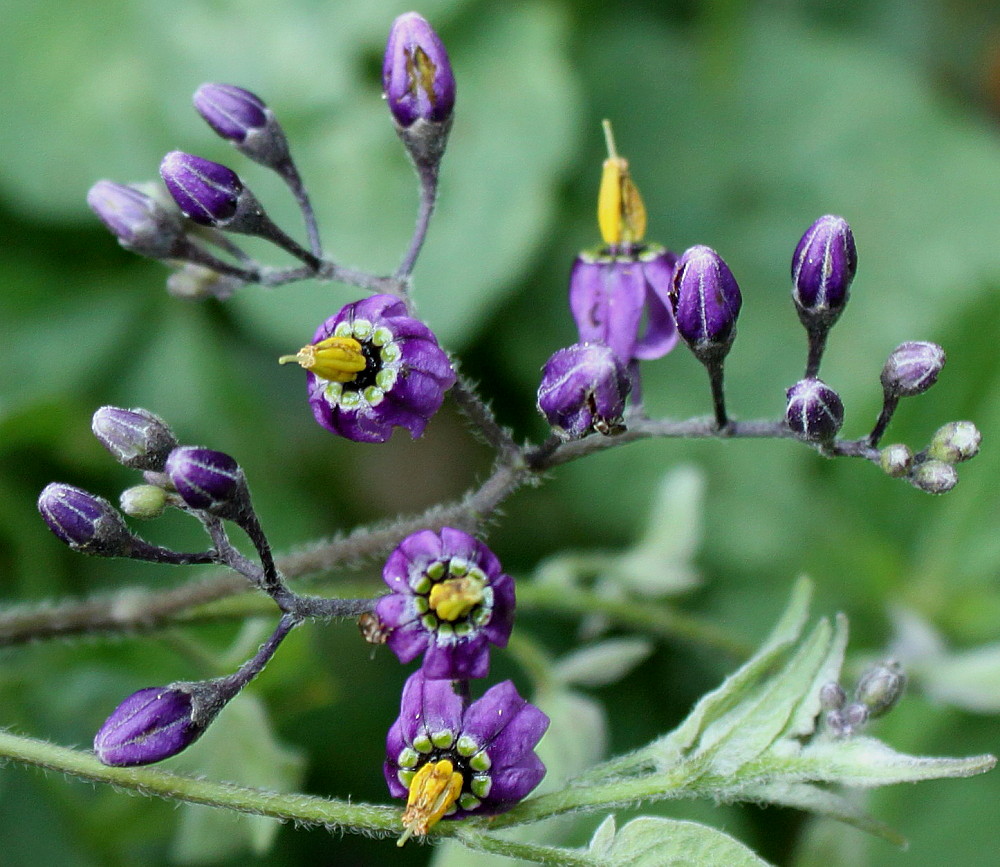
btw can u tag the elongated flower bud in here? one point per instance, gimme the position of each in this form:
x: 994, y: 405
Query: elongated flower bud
x: 150, y: 725
x: 814, y: 410
x: 138, y: 221
x: 83, y: 521
x: 823, y: 267
x: 206, y: 192
x: 242, y: 117
x: 208, y: 480
x: 136, y: 438
x: 706, y: 300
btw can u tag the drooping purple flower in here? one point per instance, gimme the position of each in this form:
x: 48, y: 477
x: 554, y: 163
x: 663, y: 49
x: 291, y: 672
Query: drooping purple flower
x: 138, y: 221
x: 823, y: 267
x: 450, y: 760
x: 583, y: 389
x: 450, y: 600
x: 416, y: 74
x: 611, y: 293
x: 149, y: 726
x: 206, y: 192
x: 371, y: 368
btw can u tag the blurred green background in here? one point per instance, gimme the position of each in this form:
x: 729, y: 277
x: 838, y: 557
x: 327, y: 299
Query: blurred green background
x: 743, y: 122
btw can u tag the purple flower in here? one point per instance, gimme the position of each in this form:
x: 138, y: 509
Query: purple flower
x: 206, y: 192
x: 451, y: 760
x: 149, y: 726
x: 372, y: 368
x: 583, y: 389
x: 416, y: 74
x: 609, y: 293
x: 449, y: 599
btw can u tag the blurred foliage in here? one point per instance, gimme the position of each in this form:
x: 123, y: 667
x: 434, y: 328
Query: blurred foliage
x: 743, y: 122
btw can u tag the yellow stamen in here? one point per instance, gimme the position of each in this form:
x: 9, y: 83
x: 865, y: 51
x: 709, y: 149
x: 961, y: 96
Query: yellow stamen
x: 435, y: 787
x: 420, y: 72
x: 456, y: 597
x: 621, y: 214
x: 338, y: 359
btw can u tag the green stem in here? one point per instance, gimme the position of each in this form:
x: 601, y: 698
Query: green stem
x: 331, y: 813
x: 525, y: 851
x: 656, y: 619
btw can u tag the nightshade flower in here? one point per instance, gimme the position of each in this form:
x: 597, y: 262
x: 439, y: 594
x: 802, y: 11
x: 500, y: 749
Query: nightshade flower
x: 416, y: 74
x: 371, y: 368
x: 138, y: 221
x: 583, y: 389
x: 242, y: 117
x: 450, y: 760
x: 823, y: 266
x: 449, y: 599
x: 84, y: 521
x: 612, y: 289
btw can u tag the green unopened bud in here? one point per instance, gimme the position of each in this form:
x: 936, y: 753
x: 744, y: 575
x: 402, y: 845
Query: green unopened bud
x: 881, y: 687
x: 955, y: 442
x: 896, y: 460
x: 143, y: 501
x: 934, y: 477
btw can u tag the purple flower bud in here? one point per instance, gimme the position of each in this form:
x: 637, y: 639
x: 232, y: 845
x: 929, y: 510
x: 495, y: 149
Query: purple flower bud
x: 371, y: 368
x: 84, y: 522
x: 880, y: 688
x: 610, y: 294
x: 814, y: 411
x: 243, y: 118
x: 139, y: 222
x: 583, y: 389
x: 706, y: 301
x: 231, y: 111
x: 208, y: 480
x: 934, y: 477
x: 823, y: 267
x: 912, y: 368
x: 896, y: 460
x: 150, y: 725
x: 136, y: 438
x: 416, y: 74
x: 451, y: 760
x: 450, y: 600
x: 955, y: 442
x: 206, y: 192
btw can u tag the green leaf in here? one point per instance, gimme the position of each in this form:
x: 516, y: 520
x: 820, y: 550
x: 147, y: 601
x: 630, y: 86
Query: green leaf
x: 238, y: 747
x: 722, y: 700
x: 656, y: 842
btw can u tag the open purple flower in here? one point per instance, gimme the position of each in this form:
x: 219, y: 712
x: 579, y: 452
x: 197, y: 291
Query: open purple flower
x: 610, y: 293
x: 371, y: 368
x: 449, y: 599
x: 451, y: 760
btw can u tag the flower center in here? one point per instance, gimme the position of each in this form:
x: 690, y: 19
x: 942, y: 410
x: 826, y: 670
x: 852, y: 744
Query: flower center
x: 434, y: 789
x: 337, y: 359
x: 420, y: 71
x: 454, y: 598
x: 621, y: 214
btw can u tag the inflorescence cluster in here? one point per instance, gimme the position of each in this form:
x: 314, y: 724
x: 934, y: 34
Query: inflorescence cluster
x: 374, y: 366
